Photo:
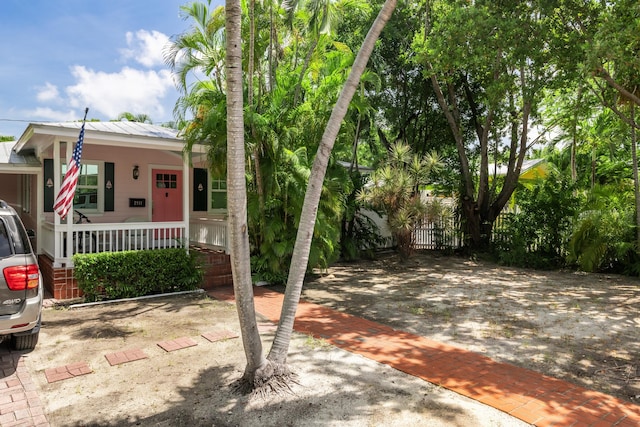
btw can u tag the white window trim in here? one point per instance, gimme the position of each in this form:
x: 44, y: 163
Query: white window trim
x: 210, y: 196
x: 100, y: 164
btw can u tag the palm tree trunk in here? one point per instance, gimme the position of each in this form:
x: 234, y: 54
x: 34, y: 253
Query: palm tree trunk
x: 300, y: 257
x: 250, y: 89
x: 237, y: 196
x: 252, y: 43
x: 574, y: 140
x: 305, y: 67
x: 636, y: 181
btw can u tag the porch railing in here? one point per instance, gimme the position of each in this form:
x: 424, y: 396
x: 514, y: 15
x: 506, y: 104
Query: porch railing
x: 116, y: 237
x: 209, y: 232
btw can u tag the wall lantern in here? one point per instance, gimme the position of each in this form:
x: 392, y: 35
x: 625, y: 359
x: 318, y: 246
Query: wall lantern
x: 136, y: 172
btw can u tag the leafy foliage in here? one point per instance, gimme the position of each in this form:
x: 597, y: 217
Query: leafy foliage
x: 113, y: 275
x: 494, y: 62
x: 604, y: 237
x: 298, y: 76
x: 394, y: 190
x: 360, y: 234
x: 537, y: 235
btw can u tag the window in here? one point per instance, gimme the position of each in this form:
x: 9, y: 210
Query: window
x: 218, y: 194
x: 13, y: 237
x: 166, y: 180
x: 209, y: 192
x: 5, y: 247
x: 88, y: 194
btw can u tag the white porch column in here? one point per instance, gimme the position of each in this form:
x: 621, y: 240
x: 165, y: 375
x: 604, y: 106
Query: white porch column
x: 56, y: 189
x: 39, y: 185
x: 57, y: 169
x: 186, y: 186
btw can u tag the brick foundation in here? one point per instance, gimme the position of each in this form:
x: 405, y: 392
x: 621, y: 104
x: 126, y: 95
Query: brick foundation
x: 217, y: 268
x: 61, y: 284
x: 58, y: 281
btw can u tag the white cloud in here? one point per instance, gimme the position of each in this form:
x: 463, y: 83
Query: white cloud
x: 48, y: 92
x: 49, y: 114
x: 146, y: 47
x: 135, y: 91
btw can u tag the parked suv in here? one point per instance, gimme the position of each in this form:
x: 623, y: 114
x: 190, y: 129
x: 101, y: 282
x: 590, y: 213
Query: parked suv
x: 21, y: 290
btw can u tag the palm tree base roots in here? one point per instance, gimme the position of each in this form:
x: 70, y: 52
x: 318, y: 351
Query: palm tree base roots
x: 271, y: 378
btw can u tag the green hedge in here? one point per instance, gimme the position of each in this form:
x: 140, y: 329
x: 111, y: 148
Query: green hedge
x: 114, y: 275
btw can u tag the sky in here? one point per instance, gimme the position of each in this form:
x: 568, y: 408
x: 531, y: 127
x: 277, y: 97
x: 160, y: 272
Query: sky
x: 58, y: 57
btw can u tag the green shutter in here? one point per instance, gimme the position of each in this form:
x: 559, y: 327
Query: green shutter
x: 109, y: 187
x: 49, y: 195
x: 200, y: 189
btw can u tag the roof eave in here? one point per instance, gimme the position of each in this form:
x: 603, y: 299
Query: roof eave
x: 96, y: 137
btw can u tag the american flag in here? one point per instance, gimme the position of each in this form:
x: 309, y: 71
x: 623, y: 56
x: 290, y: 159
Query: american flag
x: 64, y: 199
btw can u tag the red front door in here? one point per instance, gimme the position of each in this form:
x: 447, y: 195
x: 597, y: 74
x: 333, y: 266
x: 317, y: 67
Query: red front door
x: 166, y: 195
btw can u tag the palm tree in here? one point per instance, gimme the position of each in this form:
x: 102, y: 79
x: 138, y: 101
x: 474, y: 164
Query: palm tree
x: 322, y: 19
x: 270, y: 372
x: 237, y: 197
x: 280, y: 347
x: 138, y: 118
x: 395, y: 191
x: 200, y: 50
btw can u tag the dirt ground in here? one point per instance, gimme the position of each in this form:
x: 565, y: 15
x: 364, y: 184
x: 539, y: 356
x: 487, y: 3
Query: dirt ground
x: 583, y: 328
x: 192, y: 386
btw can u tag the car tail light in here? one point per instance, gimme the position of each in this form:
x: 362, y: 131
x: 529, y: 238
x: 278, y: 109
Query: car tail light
x: 21, y: 277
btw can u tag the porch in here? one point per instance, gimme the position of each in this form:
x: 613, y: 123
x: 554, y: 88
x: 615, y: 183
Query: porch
x: 205, y: 235
x: 137, y: 188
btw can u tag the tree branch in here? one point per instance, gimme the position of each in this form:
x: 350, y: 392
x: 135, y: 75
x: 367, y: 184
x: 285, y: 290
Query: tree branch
x: 604, y: 74
x: 455, y: 129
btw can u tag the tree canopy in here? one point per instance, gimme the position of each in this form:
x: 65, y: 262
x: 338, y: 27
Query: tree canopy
x: 487, y: 84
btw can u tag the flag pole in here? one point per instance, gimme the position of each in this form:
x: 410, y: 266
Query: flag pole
x: 64, y: 200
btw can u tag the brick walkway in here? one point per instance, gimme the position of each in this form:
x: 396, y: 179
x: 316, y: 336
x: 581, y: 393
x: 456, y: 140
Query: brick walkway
x: 527, y: 395
x: 20, y: 405
x: 19, y: 401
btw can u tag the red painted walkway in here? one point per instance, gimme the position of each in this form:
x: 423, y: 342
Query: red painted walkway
x: 524, y: 394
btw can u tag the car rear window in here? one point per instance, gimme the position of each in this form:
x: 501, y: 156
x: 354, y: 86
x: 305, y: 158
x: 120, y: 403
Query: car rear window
x: 14, y: 233
x: 5, y: 246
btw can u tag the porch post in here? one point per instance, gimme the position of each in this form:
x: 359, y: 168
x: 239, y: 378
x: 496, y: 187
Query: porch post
x: 57, y: 173
x: 186, y: 185
x: 39, y: 217
x: 56, y: 187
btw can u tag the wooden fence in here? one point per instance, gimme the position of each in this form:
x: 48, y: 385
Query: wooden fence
x: 446, y: 233
x: 441, y: 234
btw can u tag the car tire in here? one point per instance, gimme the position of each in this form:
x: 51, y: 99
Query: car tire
x: 25, y: 342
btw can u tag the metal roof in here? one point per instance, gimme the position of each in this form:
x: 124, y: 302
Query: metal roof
x: 123, y: 127
x: 39, y: 135
x: 360, y: 168
x: 527, y: 165
x: 9, y: 157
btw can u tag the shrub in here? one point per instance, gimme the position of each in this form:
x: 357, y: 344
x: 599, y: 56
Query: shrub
x: 604, y: 238
x: 113, y: 275
x: 537, y: 236
x: 360, y: 235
